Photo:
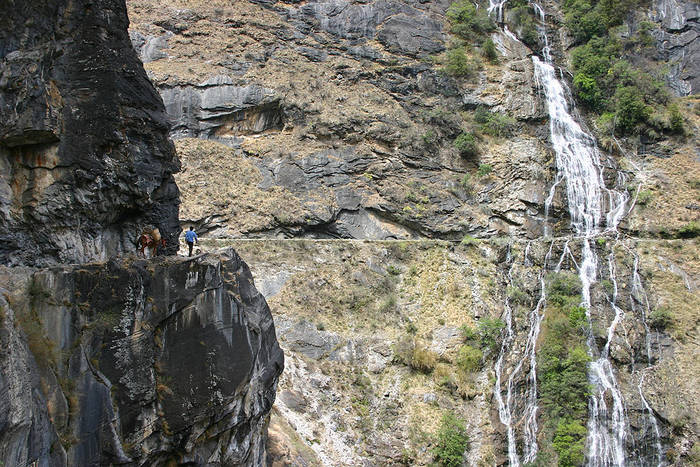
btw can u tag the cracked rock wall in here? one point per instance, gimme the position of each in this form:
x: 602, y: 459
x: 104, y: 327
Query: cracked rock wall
x: 136, y: 363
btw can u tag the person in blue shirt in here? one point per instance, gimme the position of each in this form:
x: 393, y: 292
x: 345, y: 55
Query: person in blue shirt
x: 190, y: 238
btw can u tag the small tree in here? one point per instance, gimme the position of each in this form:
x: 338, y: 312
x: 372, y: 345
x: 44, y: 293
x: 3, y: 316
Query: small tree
x: 488, y: 49
x: 484, y: 170
x: 466, y: 145
x: 452, y: 441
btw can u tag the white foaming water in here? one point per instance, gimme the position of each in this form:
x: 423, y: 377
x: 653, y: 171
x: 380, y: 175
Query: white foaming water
x: 589, y: 202
x: 578, y: 165
x: 639, y: 297
x: 497, y: 6
x: 576, y: 155
x: 505, y: 410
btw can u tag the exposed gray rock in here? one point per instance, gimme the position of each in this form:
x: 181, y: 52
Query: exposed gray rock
x: 412, y: 34
x: 26, y: 431
x: 175, y: 358
x: 150, y: 48
x: 304, y: 338
x: 219, y: 110
x: 678, y: 44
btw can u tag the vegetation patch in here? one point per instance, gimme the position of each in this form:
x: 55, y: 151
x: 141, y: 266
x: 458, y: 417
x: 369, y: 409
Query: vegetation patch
x: 562, y: 369
x: 469, y: 22
x: 452, y: 441
x: 629, y: 95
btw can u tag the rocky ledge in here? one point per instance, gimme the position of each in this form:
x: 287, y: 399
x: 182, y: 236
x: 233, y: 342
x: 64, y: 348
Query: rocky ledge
x: 136, y: 362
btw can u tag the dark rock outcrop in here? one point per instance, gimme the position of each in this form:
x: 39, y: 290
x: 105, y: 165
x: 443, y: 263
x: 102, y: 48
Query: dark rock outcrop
x: 678, y: 44
x: 85, y: 159
x: 220, y: 110
x: 136, y: 363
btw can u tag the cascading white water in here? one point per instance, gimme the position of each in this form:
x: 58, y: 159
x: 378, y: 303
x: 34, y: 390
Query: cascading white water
x: 505, y: 410
x: 639, y: 297
x: 578, y: 165
x: 589, y: 202
x: 506, y: 407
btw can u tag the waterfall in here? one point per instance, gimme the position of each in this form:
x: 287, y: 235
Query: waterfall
x: 592, y: 207
x: 506, y: 408
x: 578, y: 165
x: 639, y: 297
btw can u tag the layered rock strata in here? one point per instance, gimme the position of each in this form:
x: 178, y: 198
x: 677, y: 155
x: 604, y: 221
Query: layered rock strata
x: 345, y: 108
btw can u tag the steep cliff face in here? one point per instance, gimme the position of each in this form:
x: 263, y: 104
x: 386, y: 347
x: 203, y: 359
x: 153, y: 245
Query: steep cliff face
x: 85, y: 159
x: 136, y: 363
x: 343, y: 120
x: 677, y: 42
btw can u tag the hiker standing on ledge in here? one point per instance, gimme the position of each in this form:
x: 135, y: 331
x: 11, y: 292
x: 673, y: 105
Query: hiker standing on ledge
x: 190, y: 238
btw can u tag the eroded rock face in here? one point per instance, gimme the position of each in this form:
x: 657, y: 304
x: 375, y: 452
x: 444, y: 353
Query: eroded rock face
x: 137, y: 363
x: 347, y: 118
x: 677, y: 43
x: 85, y: 159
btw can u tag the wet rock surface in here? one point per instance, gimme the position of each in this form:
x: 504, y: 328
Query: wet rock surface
x: 84, y: 149
x: 137, y: 363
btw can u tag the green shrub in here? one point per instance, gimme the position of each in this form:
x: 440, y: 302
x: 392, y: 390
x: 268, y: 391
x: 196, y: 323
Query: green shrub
x: 676, y: 119
x: 484, y: 170
x: 583, y: 20
x: 468, y: 22
x: 577, y: 316
x: 466, y: 183
x: 563, y: 374
x: 430, y: 138
x: 630, y: 108
x: 466, y: 145
x: 569, y: 443
x: 469, y: 358
x: 488, y: 50
x: 494, y: 124
x: 452, y: 441
x: 490, y: 332
x: 469, y: 334
x: 459, y: 64
x: 518, y: 296
x: 562, y: 369
x: 468, y: 240
x: 644, y: 197
x: 660, y: 318
x: 563, y: 288
x: 690, y: 230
